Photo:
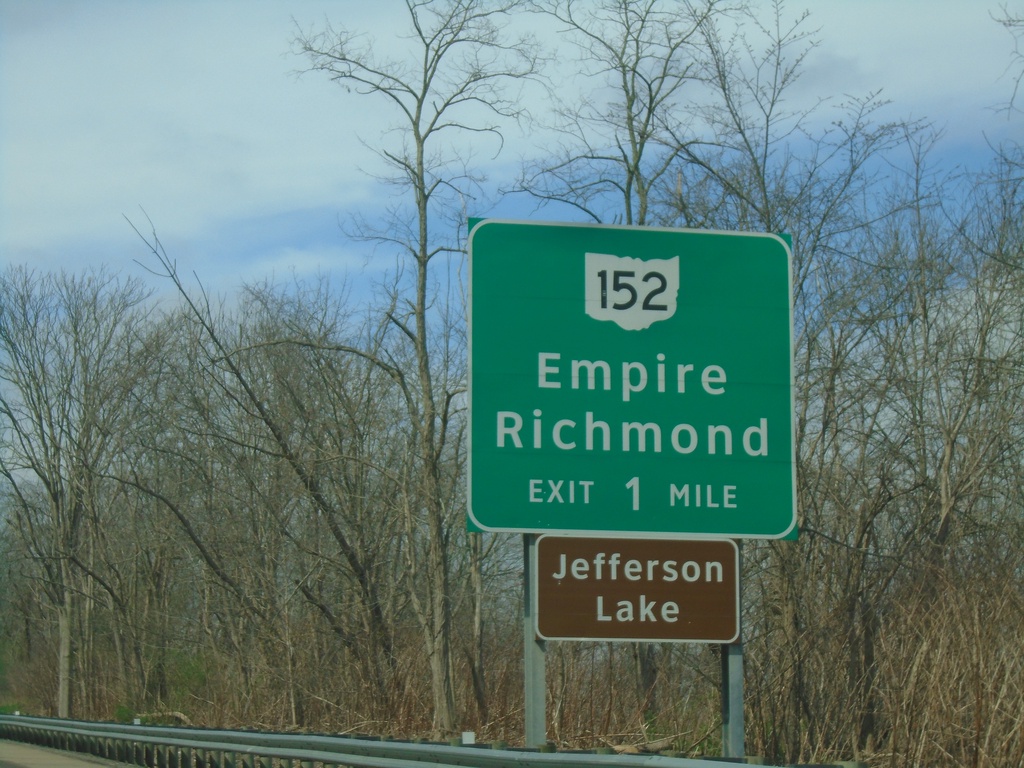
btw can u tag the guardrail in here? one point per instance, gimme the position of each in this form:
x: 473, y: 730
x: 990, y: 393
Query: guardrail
x: 164, y: 747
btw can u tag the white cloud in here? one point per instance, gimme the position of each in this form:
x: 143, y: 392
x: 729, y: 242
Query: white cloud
x: 192, y: 111
x: 189, y: 110
x: 942, y: 60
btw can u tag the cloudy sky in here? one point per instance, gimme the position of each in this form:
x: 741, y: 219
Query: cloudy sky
x: 192, y: 111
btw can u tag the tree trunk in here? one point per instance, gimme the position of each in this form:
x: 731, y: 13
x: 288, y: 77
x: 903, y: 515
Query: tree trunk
x: 64, y: 655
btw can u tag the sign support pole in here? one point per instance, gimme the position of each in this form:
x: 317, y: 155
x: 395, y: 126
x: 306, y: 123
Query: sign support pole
x: 533, y: 653
x: 732, y: 700
x: 732, y: 688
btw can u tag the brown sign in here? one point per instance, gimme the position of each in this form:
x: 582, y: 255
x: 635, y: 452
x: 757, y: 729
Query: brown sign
x: 637, y: 589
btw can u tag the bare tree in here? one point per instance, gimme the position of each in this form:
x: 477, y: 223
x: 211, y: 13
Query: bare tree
x: 728, y: 146
x: 642, y: 62
x: 67, y: 370
x: 264, y: 395
x: 1014, y: 24
x: 448, y: 87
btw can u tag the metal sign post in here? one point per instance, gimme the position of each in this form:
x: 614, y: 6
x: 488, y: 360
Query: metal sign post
x: 732, y: 700
x: 533, y: 653
x: 733, y: 741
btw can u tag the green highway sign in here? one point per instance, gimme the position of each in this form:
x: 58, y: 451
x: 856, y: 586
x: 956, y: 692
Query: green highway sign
x: 630, y: 380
